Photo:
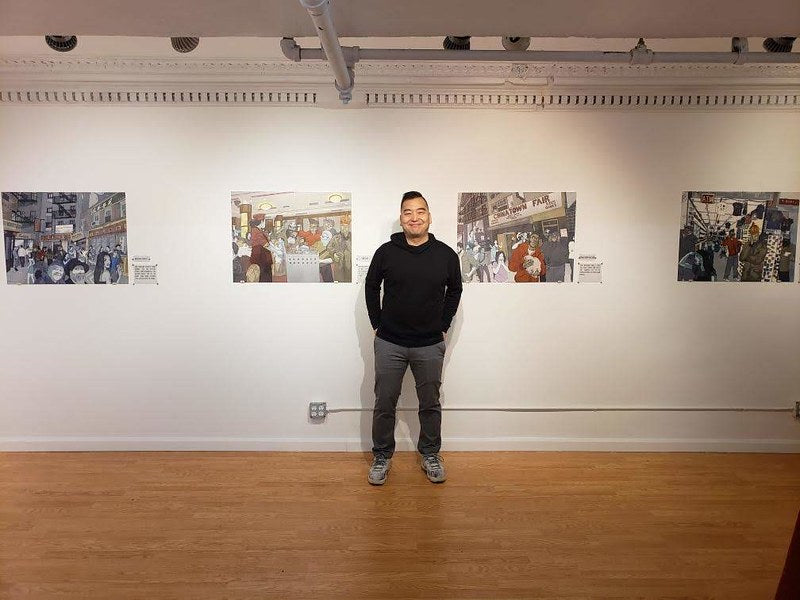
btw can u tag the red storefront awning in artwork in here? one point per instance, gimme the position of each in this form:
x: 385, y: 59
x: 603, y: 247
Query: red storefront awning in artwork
x: 116, y: 227
x: 55, y: 237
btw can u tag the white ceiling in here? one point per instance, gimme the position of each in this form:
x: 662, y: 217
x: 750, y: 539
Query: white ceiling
x: 406, y: 18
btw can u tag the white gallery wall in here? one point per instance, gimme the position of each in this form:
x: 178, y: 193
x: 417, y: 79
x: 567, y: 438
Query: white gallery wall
x: 198, y: 362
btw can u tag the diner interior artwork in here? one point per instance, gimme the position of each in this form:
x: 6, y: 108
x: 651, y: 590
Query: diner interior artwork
x: 291, y: 237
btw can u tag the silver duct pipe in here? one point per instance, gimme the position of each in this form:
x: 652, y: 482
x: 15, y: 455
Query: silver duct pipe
x: 632, y: 57
x: 320, y: 11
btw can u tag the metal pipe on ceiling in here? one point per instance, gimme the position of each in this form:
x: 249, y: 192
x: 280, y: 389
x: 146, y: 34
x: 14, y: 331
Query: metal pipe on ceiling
x: 558, y: 56
x: 320, y: 12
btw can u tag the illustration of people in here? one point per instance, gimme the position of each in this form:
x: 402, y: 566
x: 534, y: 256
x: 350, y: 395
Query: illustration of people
x: 22, y: 258
x: 253, y: 274
x: 102, y: 268
x: 500, y: 269
x: 259, y: 253
x: 786, y: 261
x: 493, y: 250
x: 55, y: 273
x: 752, y: 256
x: 313, y: 235
x: 116, y: 266
x: 706, y: 253
x: 732, y: 246
x: 31, y: 272
x: 469, y: 266
x: 687, y: 242
x: 325, y: 256
x: 527, y: 261
x: 342, y: 252
x: 482, y: 261
x: 690, y: 267
x: 75, y: 272
x: 278, y: 249
x: 238, y: 268
x: 555, y: 251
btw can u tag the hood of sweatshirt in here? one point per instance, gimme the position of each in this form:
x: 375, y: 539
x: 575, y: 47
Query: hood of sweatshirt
x: 399, y: 239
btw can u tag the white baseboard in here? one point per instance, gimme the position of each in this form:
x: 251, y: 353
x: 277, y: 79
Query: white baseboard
x: 217, y: 444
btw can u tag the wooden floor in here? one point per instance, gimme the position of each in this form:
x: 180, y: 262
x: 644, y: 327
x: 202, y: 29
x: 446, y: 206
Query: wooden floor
x: 505, y: 525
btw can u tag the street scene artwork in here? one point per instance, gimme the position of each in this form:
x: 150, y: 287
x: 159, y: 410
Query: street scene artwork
x: 65, y: 238
x: 291, y: 237
x: 516, y: 237
x: 738, y: 236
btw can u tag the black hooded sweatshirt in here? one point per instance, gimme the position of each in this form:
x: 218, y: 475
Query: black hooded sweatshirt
x: 421, y: 291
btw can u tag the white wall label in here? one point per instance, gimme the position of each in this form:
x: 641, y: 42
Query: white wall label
x: 590, y: 270
x: 145, y: 273
x: 362, y: 266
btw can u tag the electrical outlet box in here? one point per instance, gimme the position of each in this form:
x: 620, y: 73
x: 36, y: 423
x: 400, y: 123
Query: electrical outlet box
x: 317, y: 410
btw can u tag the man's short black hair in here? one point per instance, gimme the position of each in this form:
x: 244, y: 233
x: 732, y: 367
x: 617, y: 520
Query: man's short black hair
x: 411, y: 196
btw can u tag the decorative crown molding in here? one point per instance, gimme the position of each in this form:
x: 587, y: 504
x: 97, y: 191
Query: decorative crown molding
x: 37, y: 79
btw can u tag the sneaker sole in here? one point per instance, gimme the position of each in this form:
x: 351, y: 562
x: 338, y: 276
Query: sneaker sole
x: 378, y: 481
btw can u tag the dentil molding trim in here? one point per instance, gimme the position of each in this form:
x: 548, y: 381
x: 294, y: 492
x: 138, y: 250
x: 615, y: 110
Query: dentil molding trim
x: 525, y: 86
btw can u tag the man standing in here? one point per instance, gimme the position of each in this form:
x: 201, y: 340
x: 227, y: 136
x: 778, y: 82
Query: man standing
x: 527, y: 260
x: 555, y: 251
x: 421, y: 280
x: 752, y: 257
x: 732, y: 248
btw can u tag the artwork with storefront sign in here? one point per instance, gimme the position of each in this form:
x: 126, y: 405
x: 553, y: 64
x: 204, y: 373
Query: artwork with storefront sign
x: 738, y: 236
x: 291, y: 237
x: 516, y: 237
x: 65, y: 237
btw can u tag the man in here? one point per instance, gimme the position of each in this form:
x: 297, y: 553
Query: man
x: 259, y: 253
x: 469, y: 266
x: 752, y: 258
x: 687, y: 242
x: 556, y: 254
x: 75, y: 272
x: 732, y: 248
x: 527, y: 260
x: 786, y: 261
x: 421, y: 280
x: 22, y: 257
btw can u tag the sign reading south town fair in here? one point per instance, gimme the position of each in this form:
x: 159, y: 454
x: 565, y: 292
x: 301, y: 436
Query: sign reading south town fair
x: 527, y: 208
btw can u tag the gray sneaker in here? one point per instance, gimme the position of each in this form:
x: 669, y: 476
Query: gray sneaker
x: 379, y: 470
x: 433, y: 466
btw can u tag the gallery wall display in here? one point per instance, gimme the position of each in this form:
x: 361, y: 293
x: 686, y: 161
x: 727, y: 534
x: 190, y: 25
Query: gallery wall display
x: 738, y: 236
x: 291, y: 237
x: 65, y: 237
x: 516, y: 237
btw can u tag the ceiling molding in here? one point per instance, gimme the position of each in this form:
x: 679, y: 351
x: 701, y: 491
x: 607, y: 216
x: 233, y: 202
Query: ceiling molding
x: 456, y: 85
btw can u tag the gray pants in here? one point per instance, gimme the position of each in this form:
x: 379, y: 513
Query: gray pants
x: 391, y: 362
x: 732, y: 267
x: 555, y: 273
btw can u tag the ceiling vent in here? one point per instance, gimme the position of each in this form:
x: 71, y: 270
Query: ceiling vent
x: 61, y: 43
x: 456, y: 42
x: 779, y: 44
x: 184, y: 44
